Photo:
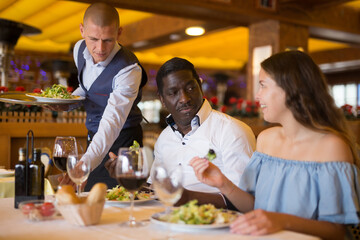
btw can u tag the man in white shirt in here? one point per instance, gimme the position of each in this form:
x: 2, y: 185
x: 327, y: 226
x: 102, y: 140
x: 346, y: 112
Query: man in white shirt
x: 194, y: 128
x: 110, y: 78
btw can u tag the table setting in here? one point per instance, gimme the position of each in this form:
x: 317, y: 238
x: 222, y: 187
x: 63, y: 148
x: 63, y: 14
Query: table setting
x: 15, y: 226
x: 129, y: 211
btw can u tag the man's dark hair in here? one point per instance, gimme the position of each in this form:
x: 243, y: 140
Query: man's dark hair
x: 174, y: 65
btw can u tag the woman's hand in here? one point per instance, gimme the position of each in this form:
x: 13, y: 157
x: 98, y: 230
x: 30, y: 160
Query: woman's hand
x: 258, y: 222
x: 207, y: 172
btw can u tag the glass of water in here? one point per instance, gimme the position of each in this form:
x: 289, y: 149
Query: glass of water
x: 78, y: 170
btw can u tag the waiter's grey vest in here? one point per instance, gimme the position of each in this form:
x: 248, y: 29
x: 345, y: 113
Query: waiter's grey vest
x: 98, y: 94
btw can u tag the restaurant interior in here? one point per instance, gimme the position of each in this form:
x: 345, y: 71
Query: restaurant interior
x: 225, y: 40
x: 237, y: 35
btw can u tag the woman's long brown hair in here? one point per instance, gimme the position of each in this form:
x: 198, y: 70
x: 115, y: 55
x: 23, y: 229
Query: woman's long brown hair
x: 307, y: 95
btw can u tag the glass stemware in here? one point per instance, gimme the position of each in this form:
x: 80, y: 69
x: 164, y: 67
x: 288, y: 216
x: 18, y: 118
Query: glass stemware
x: 131, y: 172
x: 63, y: 147
x: 168, y: 187
x: 167, y: 184
x: 78, y: 170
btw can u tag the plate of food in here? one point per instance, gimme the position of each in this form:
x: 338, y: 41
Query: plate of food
x: 56, y: 94
x: 118, y: 196
x: 192, y: 216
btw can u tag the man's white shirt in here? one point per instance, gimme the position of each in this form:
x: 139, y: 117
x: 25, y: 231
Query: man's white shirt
x: 232, y: 140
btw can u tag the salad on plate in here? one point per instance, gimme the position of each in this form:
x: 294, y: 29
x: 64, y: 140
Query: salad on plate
x: 119, y: 193
x: 193, y: 214
x: 57, y: 91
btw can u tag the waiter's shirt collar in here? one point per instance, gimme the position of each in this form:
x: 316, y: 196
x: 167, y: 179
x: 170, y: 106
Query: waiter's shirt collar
x: 89, y: 58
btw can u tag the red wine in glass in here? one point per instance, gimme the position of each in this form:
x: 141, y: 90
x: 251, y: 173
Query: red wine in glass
x: 63, y: 147
x: 60, y: 163
x: 132, y: 171
x: 131, y: 183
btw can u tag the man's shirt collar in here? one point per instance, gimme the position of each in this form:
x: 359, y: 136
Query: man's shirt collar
x: 88, y: 56
x: 199, y: 118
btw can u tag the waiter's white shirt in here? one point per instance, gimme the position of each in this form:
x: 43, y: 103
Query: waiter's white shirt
x: 125, y: 87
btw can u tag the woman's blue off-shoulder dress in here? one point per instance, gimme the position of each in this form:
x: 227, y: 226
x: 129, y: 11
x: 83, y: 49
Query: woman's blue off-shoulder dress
x: 327, y: 191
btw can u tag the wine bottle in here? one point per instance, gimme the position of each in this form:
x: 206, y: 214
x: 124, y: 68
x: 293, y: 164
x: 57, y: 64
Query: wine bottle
x: 20, y: 177
x: 36, y: 175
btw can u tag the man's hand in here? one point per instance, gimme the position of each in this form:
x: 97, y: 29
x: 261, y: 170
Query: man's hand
x: 65, y: 180
x: 110, y: 165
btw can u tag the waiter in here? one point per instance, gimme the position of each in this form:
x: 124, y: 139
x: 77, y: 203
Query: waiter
x: 110, y: 78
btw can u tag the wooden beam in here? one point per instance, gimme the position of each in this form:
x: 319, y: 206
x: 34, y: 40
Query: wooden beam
x: 244, y: 12
x: 336, y: 55
x: 154, y: 27
x: 314, y: 4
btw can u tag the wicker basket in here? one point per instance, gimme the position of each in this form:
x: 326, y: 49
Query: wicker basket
x: 82, y: 214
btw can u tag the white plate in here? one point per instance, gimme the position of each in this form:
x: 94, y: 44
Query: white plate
x: 115, y: 203
x: 54, y: 100
x: 6, y: 173
x: 155, y: 218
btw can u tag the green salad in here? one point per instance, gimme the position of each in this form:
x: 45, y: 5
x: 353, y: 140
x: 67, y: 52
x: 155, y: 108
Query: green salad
x: 119, y: 193
x: 211, y: 155
x: 135, y: 146
x: 192, y: 213
x: 56, y: 91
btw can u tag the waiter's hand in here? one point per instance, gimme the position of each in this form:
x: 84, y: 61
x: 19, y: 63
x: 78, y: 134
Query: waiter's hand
x: 111, y: 164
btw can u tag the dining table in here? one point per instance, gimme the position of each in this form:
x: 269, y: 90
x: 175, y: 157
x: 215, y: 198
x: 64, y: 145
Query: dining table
x: 14, y: 225
x: 7, y: 186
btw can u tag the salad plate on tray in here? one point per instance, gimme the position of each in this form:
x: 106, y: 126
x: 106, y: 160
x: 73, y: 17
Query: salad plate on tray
x: 55, y: 100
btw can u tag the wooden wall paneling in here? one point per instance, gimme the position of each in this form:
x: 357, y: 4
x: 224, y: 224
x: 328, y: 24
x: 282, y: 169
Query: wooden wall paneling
x: 280, y: 36
x: 5, y: 151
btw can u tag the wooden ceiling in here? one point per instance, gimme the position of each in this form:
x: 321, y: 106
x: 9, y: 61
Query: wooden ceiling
x: 156, y: 33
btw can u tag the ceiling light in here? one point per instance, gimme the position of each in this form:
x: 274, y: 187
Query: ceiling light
x: 195, y: 31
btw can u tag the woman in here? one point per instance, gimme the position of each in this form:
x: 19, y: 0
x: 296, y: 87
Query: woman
x: 303, y: 176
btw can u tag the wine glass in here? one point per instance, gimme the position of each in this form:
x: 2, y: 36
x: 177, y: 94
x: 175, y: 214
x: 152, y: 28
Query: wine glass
x: 78, y: 170
x: 167, y: 184
x: 63, y: 147
x: 131, y: 171
x: 168, y: 187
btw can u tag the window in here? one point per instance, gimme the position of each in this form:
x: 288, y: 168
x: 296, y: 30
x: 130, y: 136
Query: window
x: 346, y: 94
x: 151, y: 110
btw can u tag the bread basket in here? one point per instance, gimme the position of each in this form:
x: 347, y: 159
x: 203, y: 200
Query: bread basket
x: 82, y: 214
x: 81, y: 211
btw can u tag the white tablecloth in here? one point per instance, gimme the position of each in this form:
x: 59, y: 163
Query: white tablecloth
x: 13, y: 225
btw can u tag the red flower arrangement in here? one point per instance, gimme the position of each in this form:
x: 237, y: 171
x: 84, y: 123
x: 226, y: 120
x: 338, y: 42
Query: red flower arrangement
x: 238, y: 107
x: 214, y: 101
x: 350, y: 112
x: 37, y: 90
x: 20, y: 89
x: 3, y: 89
